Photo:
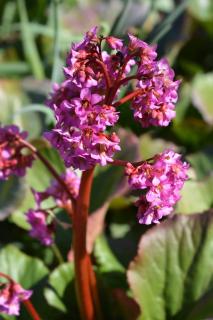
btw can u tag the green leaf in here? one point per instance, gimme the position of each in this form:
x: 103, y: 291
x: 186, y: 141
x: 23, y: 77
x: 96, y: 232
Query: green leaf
x: 111, y: 271
x: 8, y: 69
x: 10, y: 196
x: 61, y: 276
x: 35, y: 107
x: 202, y: 10
x: 169, y: 275
x: 29, y: 45
x: 161, y: 29
x: 105, y: 258
x: 202, y: 162
x: 120, y: 21
x: 24, y: 269
x: 13, y: 100
x: 61, y: 295
x: 202, y: 95
x: 53, y: 300
x: 196, y: 196
x: 183, y: 103
x: 149, y: 146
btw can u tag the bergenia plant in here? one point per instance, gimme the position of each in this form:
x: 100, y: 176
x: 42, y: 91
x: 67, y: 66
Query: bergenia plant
x: 86, y: 108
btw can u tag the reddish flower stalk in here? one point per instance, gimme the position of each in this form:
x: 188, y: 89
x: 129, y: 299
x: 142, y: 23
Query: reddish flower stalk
x: 128, y: 97
x: 50, y: 168
x: 31, y: 310
x: 94, y: 289
x: 81, y: 258
x: 105, y: 72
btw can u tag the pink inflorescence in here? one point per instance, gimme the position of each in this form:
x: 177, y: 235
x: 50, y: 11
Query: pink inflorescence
x: 42, y: 225
x: 41, y: 229
x: 156, y: 103
x: 162, y: 181
x: 12, y: 159
x: 84, y: 103
x: 11, y: 295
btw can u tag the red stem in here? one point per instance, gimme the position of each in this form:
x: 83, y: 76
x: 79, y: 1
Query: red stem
x: 50, y: 168
x: 123, y: 163
x: 130, y: 96
x: 117, y: 82
x: 127, y: 79
x: 93, y: 284
x: 3, y: 275
x: 31, y: 310
x: 81, y: 258
x: 106, y: 74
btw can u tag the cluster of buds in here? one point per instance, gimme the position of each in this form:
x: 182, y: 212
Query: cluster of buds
x: 41, y: 222
x: 11, y: 295
x: 12, y: 159
x: 162, y: 180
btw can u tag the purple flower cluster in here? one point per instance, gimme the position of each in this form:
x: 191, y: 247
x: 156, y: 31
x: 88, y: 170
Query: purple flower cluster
x: 11, y: 295
x: 81, y: 112
x: 42, y: 225
x: 156, y: 103
x: 84, y: 103
x: 162, y: 181
x: 12, y: 160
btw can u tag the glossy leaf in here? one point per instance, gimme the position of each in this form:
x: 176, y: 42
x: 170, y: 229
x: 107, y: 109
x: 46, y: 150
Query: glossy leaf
x: 21, y: 267
x: 169, y: 274
x: 61, y: 295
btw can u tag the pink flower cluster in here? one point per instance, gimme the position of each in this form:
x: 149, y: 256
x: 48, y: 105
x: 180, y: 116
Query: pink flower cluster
x: 84, y: 103
x: 156, y: 103
x: 81, y: 111
x: 12, y: 160
x: 162, y: 181
x: 11, y: 295
x: 42, y: 225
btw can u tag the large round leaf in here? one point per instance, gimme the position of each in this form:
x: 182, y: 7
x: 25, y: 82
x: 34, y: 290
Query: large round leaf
x: 174, y: 268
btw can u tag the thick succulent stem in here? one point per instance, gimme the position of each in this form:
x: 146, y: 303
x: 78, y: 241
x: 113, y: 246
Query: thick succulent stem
x: 83, y: 268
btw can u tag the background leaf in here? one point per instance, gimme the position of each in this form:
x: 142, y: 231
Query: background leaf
x: 22, y: 268
x: 202, y: 95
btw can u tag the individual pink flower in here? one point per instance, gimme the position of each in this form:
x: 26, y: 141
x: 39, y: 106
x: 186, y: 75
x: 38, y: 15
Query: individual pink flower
x: 41, y: 229
x: 12, y: 159
x: 11, y: 295
x: 114, y: 43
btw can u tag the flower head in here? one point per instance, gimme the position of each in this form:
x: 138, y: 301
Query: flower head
x: 41, y: 229
x: 12, y: 159
x: 162, y: 181
x: 156, y: 103
x: 85, y: 102
x: 11, y: 295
